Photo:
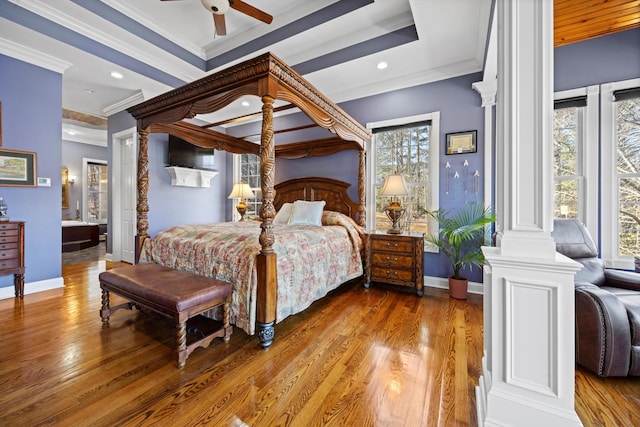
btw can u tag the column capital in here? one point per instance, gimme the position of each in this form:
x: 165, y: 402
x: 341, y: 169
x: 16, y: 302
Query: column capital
x: 487, y: 90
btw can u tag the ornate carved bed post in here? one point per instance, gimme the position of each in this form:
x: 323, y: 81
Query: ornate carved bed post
x: 361, y: 191
x: 143, y: 190
x: 266, y: 259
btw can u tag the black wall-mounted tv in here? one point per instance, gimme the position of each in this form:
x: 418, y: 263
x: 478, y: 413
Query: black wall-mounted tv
x: 186, y: 155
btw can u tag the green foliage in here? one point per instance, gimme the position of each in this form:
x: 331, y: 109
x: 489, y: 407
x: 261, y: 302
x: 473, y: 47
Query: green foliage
x: 461, y: 235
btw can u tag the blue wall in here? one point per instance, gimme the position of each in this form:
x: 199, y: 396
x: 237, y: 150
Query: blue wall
x: 601, y: 60
x: 73, y: 154
x: 32, y: 121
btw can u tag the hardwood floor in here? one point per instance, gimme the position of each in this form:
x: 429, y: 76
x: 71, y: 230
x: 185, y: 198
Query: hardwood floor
x: 359, y: 357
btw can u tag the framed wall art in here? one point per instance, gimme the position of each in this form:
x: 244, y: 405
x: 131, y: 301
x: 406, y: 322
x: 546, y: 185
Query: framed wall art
x: 462, y: 142
x: 65, y: 188
x: 17, y: 168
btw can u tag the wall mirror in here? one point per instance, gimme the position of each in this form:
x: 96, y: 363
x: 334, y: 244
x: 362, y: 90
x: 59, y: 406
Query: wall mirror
x: 65, y: 188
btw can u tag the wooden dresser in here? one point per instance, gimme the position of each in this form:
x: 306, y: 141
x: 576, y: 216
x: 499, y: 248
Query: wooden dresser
x: 396, y: 259
x: 12, y: 253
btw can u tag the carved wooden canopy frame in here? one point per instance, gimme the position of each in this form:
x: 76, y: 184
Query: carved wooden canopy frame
x: 271, y: 79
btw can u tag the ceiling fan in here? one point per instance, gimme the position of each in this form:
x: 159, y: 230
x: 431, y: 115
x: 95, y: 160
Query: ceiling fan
x: 219, y: 7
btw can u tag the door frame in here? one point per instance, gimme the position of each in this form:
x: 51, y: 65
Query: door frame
x: 118, y: 139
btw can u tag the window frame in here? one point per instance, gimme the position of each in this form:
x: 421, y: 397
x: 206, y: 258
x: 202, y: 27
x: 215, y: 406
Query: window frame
x: 434, y: 153
x: 609, y: 241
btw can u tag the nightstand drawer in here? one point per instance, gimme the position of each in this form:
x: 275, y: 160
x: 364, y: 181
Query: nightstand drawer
x: 381, y: 259
x: 392, y: 245
x: 384, y: 274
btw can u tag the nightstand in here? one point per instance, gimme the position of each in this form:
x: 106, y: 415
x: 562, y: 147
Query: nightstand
x: 395, y: 259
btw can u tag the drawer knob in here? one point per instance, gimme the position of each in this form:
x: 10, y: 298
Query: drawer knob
x: 392, y: 260
x: 392, y: 245
x: 392, y: 273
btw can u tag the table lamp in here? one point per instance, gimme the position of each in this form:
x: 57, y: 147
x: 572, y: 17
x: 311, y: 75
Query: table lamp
x: 241, y: 191
x: 394, y: 186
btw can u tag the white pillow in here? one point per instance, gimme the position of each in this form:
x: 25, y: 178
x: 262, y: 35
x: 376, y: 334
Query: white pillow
x: 283, y: 215
x: 307, y: 213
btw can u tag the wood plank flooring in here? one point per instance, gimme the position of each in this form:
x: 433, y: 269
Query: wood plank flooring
x: 359, y: 357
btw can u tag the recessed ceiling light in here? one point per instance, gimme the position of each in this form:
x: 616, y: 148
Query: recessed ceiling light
x: 87, y: 91
x: 382, y: 65
x: 71, y: 132
x: 116, y: 75
x: 245, y: 103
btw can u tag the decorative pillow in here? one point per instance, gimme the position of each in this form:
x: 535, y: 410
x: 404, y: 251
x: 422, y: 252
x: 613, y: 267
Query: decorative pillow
x: 283, y: 215
x: 306, y: 213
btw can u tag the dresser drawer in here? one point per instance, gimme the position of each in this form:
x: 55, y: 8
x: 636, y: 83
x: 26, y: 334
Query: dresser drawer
x: 381, y: 259
x: 386, y: 274
x: 9, y: 263
x: 8, y: 245
x: 8, y: 253
x: 9, y: 226
x: 392, y: 245
x: 9, y: 234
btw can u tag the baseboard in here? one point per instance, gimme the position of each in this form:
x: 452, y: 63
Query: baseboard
x: 443, y: 283
x: 33, y: 287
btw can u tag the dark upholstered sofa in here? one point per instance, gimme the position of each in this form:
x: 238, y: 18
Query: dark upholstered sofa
x: 607, y: 306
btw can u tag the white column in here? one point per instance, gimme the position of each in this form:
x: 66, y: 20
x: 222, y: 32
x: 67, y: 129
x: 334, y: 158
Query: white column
x: 528, y: 368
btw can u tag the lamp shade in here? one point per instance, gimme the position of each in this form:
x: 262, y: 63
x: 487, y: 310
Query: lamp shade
x: 241, y: 191
x: 394, y: 185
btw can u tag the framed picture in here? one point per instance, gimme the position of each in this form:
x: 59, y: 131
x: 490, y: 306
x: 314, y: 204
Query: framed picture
x: 462, y: 142
x: 17, y: 168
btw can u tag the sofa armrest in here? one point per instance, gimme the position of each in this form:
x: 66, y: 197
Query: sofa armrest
x: 622, y: 279
x: 603, y: 335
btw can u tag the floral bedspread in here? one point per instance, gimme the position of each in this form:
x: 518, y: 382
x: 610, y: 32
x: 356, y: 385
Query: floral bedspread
x: 311, y: 260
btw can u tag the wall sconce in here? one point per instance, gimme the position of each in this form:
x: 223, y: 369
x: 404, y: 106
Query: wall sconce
x: 72, y: 179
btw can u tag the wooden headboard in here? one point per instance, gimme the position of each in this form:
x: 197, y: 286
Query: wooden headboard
x: 332, y: 191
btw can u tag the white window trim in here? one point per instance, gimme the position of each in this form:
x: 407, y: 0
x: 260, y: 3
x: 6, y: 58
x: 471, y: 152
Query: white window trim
x: 434, y: 153
x: 587, y: 155
x: 610, y: 236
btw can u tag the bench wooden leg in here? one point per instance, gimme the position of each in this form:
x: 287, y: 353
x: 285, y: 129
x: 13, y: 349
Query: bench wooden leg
x: 181, y: 335
x: 225, y: 319
x: 105, y: 312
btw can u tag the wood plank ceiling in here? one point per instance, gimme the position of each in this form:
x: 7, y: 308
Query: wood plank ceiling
x: 577, y: 20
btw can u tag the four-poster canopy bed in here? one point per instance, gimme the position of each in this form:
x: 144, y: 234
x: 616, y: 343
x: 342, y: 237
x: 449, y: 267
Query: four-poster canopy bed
x: 269, y: 78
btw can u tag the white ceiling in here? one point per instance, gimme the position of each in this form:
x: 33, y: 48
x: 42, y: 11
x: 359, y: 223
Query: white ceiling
x: 160, y: 45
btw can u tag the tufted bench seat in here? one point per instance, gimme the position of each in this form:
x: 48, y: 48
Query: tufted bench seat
x: 178, y: 295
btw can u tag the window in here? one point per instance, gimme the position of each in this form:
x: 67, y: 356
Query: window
x: 408, y: 147
x: 598, y: 181
x: 620, y: 171
x: 97, y: 196
x: 567, y: 151
x: 575, y: 156
x: 247, y: 169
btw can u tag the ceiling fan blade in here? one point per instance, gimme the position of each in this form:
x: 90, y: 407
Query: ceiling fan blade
x: 220, y: 24
x: 247, y: 9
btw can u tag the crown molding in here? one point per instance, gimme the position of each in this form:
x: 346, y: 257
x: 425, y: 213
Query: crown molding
x: 32, y: 56
x: 124, y: 104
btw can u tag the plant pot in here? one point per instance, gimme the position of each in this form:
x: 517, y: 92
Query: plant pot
x: 458, y: 288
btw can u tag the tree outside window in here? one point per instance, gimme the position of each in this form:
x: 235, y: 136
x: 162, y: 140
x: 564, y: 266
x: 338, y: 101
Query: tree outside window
x: 628, y: 174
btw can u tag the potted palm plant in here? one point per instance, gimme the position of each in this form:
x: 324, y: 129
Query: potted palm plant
x: 461, y: 235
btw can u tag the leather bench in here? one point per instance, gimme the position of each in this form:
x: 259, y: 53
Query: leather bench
x: 178, y: 295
